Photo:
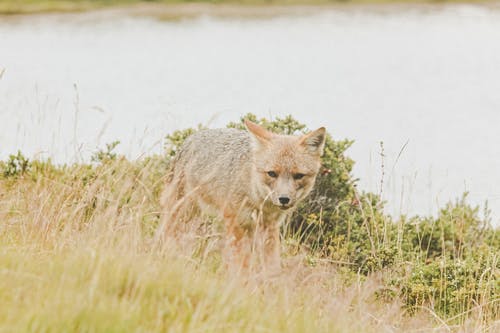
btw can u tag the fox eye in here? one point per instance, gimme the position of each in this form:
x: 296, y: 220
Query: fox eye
x: 272, y: 174
x: 298, y: 176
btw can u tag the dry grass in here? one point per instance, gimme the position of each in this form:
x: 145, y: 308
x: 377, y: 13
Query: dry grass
x: 77, y: 253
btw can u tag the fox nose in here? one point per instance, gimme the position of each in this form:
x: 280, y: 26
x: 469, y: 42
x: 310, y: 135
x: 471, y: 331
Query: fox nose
x: 284, y: 200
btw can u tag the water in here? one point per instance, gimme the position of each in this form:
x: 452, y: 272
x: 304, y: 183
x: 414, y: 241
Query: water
x: 425, y: 81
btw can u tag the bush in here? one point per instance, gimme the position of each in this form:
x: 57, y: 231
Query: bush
x: 16, y: 165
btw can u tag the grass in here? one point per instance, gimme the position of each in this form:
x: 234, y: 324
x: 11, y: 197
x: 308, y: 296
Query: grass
x: 8, y: 7
x: 79, y: 285
x: 64, y: 267
x: 77, y: 253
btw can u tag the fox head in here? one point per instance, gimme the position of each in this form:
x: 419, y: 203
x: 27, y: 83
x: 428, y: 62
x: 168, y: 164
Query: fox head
x: 285, y: 166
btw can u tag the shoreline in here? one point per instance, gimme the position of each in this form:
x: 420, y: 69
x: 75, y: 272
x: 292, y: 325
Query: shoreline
x: 182, y: 10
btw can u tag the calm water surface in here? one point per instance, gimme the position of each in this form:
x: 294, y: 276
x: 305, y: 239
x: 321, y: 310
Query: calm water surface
x: 425, y: 82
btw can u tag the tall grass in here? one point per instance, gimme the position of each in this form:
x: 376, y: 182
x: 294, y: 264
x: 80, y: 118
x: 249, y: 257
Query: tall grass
x: 78, y: 253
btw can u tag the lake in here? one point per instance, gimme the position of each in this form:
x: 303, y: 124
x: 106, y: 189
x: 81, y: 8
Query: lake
x: 423, y: 80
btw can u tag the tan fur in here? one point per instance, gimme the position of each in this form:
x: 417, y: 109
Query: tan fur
x: 227, y: 172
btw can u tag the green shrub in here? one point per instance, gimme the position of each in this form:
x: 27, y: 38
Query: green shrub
x: 454, y: 258
x: 16, y: 165
x: 103, y: 156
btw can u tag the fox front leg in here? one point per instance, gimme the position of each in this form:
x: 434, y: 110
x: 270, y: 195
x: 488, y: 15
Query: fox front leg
x: 271, y: 251
x: 237, y: 245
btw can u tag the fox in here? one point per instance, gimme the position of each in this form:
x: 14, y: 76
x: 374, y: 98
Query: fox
x: 251, y: 180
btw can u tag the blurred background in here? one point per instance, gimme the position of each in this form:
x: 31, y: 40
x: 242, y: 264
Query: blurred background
x: 415, y: 85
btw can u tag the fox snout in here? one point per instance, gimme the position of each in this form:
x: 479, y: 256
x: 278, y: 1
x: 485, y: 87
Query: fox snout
x: 285, y: 197
x: 285, y: 190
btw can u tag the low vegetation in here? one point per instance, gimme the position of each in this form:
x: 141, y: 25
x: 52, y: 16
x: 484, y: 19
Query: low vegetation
x: 78, y: 252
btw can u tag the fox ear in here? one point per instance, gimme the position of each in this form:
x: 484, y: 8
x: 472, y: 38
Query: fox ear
x: 314, y: 141
x: 261, y: 135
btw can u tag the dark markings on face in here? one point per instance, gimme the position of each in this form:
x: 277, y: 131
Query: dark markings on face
x: 300, y: 178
